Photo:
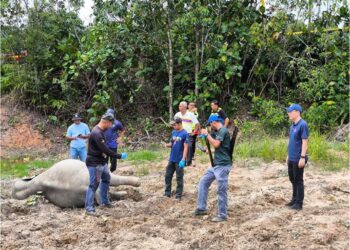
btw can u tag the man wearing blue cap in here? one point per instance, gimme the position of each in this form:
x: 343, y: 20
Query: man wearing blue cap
x: 112, y: 136
x: 297, y: 158
x: 220, y: 140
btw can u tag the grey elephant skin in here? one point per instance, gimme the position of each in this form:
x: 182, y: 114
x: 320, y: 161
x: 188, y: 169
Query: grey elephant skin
x: 65, y: 184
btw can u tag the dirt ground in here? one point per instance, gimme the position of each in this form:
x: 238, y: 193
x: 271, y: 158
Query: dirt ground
x: 257, y: 219
x: 23, y: 131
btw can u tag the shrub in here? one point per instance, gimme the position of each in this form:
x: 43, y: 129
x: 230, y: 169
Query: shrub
x: 270, y: 113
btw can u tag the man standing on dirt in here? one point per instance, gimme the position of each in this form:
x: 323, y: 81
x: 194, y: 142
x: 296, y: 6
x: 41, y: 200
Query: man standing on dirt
x: 77, y: 133
x: 96, y: 163
x: 216, y: 110
x: 113, y: 135
x: 220, y: 140
x: 177, y: 160
x: 297, y: 158
x: 188, y: 120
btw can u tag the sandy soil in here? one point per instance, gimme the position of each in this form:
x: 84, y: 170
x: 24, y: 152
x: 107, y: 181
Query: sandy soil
x: 23, y: 131
x: 257, y: 219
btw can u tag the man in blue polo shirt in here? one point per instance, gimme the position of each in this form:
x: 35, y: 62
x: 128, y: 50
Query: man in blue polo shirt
x: 297, y: 158
x: 177, y: 160
x: 77, y: 133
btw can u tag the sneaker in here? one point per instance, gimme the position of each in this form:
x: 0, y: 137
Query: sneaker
x: 91, y: 213
x: 108, y: 205
x: 289, y: 204
x: 199, y: 212
x: 218, y: 219
x: 178, y: 198
x: 167, y: 195
x: 296, y: 207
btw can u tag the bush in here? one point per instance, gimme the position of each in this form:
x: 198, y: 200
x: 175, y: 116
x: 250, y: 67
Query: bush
x: 321, y: 117
x: 270, y: 113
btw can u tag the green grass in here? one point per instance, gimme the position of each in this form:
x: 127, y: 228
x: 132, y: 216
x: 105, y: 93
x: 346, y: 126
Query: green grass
x: 328, y: 155
x: 266, y: 148
x: 21, y: 168
x: 145, y: 155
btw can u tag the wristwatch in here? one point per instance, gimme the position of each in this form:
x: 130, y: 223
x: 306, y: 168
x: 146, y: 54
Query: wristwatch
x: 302, y: 157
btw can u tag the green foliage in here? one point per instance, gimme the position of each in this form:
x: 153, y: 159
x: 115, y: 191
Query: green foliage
x: 270, y: 113
x: 219, y: 49
x: 328, y: 155
x: 322, y: 117
x: 265, y: 147
x: 331, y: 156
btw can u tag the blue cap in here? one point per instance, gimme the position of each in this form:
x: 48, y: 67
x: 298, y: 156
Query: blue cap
x: 294, y: 106
x: 214, y: 118
x: 110, y: 111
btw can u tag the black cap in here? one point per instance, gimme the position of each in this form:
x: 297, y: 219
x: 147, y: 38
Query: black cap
x: 108, y: 117
x: 76, y: 117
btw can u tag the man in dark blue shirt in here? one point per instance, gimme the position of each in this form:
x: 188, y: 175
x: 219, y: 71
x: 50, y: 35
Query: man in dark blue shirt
x: 297, y: 158
x: 177, y: 160
x: 112, y: 135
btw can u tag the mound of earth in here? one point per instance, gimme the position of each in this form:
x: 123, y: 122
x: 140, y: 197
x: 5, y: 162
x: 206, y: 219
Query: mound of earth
x: 23, y: 132
x: 257, y: 219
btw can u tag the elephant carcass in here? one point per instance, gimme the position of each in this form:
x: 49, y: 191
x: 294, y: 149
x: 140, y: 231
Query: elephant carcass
x: 64, y: 184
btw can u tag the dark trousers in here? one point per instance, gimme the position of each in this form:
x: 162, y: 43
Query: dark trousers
x: 113, y: 160
x: 170, y: 169
x: 191, y: 149
x: 296, y: 178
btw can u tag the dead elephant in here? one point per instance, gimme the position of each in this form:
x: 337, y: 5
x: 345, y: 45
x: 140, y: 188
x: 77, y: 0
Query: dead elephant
x: 65, y: 184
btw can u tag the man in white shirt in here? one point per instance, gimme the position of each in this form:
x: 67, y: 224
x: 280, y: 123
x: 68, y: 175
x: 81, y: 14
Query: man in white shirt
x: 188, y: 120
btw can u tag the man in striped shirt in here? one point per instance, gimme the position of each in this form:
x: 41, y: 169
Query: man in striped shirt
x: 188, y: 120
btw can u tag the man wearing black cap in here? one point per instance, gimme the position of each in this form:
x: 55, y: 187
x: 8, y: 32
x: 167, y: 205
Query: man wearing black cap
x: 96, y: 163
x: 77, y: 133
x: 113, y: 135
x: 297, y: 158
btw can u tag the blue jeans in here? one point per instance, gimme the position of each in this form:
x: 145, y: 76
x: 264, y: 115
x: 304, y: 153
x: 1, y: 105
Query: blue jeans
x: 78, y: 153
x: 99, y: 173
x: 220, y: 174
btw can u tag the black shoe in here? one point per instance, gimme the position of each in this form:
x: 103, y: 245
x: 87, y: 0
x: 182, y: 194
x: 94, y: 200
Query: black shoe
x: 296, y: 207
x: 178, y: 198
x: 289, y: 204
x: 167, y: 195
x: 108, y: 205
x: 199, y: 212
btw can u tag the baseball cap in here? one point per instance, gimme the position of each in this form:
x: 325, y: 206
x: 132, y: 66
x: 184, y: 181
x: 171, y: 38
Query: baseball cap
x: 110, y: 111
x: 294, y: 106
x: 108, y: 117
x: 214, y: 118
x: 76, y: 117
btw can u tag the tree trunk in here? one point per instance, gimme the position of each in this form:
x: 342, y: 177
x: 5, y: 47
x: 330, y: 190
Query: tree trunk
x: 196, y: 68
x: 171, y: 73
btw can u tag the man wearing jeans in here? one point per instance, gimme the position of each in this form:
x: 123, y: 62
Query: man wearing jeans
x: 297, y: 158
x: 220, y: 140
x: 77, y: 133
x: 96, y: 163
